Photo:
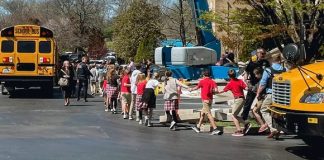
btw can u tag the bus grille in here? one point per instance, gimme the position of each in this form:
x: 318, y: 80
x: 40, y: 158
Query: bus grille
x: 25, y: 67
x: 281, y: 93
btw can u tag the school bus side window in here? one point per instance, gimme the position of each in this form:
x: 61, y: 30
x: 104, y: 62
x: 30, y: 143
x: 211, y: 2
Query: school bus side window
x: 7, y: 46
x: 45, y: 47
x: 26, y: 46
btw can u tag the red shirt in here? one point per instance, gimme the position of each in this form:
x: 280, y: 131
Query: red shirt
x: 105, y: 84
x: 124, y: 81
x: 236, y: 86
x: 207, y: 86
x: 141, y: 87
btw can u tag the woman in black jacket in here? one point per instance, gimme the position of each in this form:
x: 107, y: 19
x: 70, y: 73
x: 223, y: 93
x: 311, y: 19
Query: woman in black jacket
x: 68, y: 73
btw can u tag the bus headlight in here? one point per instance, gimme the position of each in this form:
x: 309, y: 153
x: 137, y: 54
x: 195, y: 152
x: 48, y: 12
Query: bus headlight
x: 313, y: 98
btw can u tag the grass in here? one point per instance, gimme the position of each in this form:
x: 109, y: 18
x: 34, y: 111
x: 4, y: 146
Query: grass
x: 231, y: 124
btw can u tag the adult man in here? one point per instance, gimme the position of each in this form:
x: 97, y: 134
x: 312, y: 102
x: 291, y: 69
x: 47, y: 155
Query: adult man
x: 133, y: 80
x: 266, y: 84
x: 83, y: 75
x: 252, y: 81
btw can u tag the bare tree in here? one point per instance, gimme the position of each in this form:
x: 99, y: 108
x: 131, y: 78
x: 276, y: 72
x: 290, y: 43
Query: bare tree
x: 178, y: 20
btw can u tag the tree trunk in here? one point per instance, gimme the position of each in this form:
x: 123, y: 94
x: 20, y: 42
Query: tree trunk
x: 182, y: 25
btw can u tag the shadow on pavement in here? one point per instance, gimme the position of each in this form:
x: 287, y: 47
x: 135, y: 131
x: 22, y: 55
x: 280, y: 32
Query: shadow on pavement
x: 307, y: 152
x: 36, y: 93
x: 79, y: 105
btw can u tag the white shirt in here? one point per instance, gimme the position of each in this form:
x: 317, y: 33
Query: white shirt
x: 152, y: 83
x: 133, y: 81
x: 131, y: 66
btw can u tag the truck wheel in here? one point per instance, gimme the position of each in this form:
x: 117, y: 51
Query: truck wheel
x: 313, y: 141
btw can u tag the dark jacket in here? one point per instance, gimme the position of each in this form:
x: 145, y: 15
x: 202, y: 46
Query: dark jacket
x: 83, y: 71
x: 70, y: 73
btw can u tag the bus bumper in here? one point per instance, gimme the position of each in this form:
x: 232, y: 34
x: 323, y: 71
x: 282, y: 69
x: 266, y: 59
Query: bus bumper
x: 300, y: 123
x: 26, y: 81
x: 26, y: 78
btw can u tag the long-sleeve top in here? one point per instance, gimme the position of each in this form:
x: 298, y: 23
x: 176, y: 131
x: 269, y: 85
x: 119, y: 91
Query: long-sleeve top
x: 94, y: 73
x: 133, y: 79
x: 83, y: 71
x: 70, y: 74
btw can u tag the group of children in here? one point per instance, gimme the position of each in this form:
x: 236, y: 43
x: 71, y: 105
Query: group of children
x: 142, y: 92
x: 122, y: 85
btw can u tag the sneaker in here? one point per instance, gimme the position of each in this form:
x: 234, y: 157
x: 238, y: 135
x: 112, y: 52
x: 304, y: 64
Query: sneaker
x: 106, y: 110
x: 263, y: 128
x: 125, y: 116
x: 274, y: 134
x: 216, y: 132
x: 140, y: 122
x: 149, y: 124
x: 137, y: 119
x: 111, y: 110
x: 173, y: 123
x: 196, y: 129
x: 238, y: 134
x: 130, y: 118
x: 146, y: 121
x: 247, y: 128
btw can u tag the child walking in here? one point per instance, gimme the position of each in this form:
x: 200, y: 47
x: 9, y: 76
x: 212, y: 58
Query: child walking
x: 208, y: 88
x: 125, y: 90
x: 149, y: 98
x: 112, y: 91
x: 141, y: 83
x: 256, y: 109
x: 171, y: 97
x: 105, y: 88
x: 236, y: 86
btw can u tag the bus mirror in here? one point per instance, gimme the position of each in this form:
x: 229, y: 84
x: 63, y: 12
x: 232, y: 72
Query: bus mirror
x: 291, y: 53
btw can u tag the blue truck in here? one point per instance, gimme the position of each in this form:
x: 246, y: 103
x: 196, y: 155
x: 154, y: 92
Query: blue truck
x: 180, y: 59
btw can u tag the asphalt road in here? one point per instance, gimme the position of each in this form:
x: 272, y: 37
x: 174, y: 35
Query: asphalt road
x: 33, y: 127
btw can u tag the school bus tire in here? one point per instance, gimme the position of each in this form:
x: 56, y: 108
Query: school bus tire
x: 47, y: 89
x: 314, y: 141
x: 11, y: 89
x: 3, y: 90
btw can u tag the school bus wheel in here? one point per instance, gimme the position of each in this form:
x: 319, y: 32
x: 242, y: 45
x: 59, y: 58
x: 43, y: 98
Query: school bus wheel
x: 314, y: 141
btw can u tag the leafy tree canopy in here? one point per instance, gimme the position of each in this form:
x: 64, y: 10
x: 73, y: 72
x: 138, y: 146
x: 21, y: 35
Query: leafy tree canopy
x: 139, y: 22
x: 276, y: 21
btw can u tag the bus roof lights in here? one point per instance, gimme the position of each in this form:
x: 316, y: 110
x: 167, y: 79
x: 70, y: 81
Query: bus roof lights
x: 46, y: 32
x: 7, y: 32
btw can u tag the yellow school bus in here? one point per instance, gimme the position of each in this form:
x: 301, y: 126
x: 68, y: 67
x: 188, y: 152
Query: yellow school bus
x: 28, y: 58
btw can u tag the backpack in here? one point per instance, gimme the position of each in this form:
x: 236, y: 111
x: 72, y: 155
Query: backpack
x: 272, y: 74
